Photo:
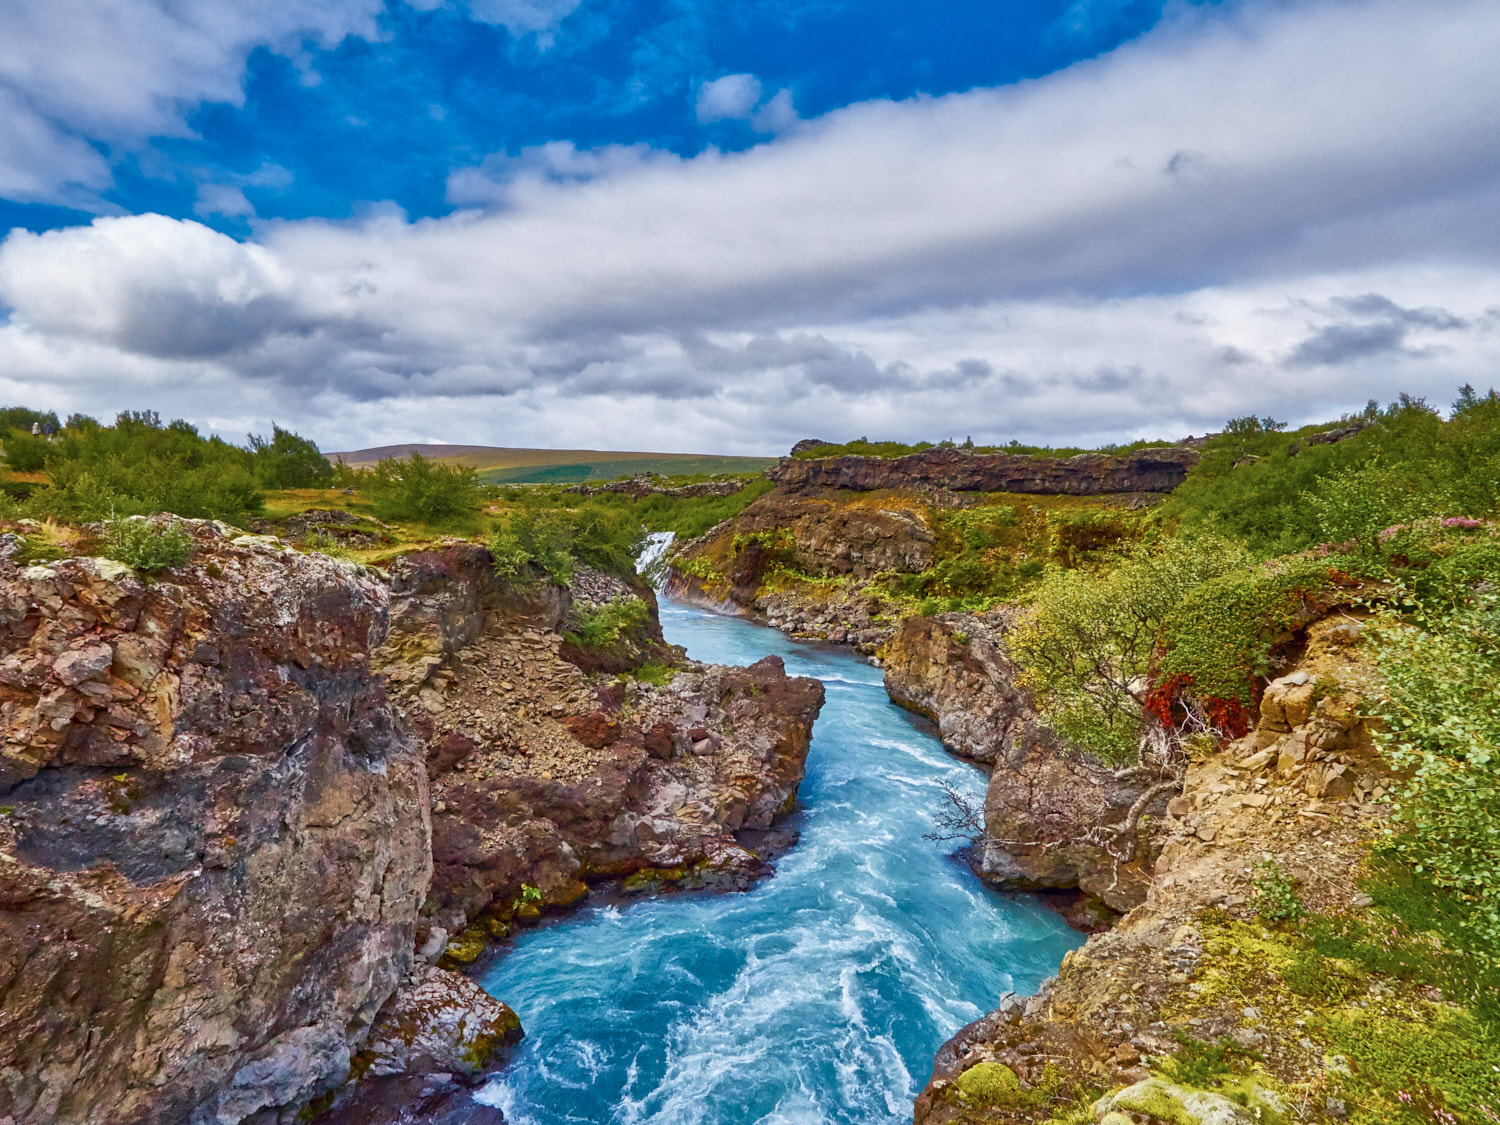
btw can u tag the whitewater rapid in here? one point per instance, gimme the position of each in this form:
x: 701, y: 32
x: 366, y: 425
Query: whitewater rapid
x: 819, y: 996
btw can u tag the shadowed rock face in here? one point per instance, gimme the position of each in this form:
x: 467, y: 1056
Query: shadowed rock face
x: 216, y: 835
x: 1088, y: 474
x: 1045, y: 800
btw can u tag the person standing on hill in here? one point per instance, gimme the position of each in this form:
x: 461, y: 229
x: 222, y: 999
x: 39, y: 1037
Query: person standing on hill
x: 36, y: 429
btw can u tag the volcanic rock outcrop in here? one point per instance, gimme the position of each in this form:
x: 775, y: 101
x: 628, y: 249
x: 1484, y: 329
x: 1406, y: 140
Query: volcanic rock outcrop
x: 1087, y: 474
x: 1052, y: 815
x: 1296, y: 795
x: 814, y: 537
x: 213, y: 840
x: 544, y: 777
x: 435, y: 1039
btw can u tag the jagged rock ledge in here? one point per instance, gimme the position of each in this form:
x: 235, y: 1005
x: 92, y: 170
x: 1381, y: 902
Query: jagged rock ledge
x: 213, y: 845
x: 1298, y: 790
x: 1050, y: 811
x: 1087, y: 474
x: 217, y: 892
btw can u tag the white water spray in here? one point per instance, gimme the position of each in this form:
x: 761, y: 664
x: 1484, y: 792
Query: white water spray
x: 651, y: 563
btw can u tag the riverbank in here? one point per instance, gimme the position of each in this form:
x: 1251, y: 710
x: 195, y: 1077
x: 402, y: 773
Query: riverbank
x: 820, y: 994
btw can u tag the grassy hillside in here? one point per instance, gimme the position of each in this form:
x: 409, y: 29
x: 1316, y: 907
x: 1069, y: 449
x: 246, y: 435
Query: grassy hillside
x: 498, y: 465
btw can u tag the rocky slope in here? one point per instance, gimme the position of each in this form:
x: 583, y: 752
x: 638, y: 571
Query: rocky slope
x: 226, y: 881
x: 831, y: 544
x: 545, y: 775
x: 1087, y: 474
x: 1054, y: 817
x: 1194, y: 961
x: 214, y: 840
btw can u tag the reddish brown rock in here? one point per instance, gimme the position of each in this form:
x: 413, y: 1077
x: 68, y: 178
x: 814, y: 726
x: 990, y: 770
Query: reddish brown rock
x: 1088, y: 474
x: 564, y: 772
x: 215, y: 836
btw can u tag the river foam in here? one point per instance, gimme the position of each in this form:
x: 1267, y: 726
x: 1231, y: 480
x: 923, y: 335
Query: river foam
x: 820, y: 996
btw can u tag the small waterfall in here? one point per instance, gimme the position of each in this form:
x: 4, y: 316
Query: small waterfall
x: 651, y: 563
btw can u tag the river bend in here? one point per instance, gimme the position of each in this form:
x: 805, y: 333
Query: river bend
x: 820, y: 996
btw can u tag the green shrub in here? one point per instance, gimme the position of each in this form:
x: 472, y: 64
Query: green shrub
x: 552, y: 541
x: 1250, y: 486
x: 601, y: 627
x: 147, y: 544
x: 1439, y: 704
x: 1202, y: 1065
x: 1274, y: 894
x: 1086, y: 647
x: 138, y: 466
x: 25, y: 453
x: 654, y: 672
x: 1217, y: 638
x: 421, y: 489
x: 324, y: 542
x: 289, y: 460
x: 524, y: 544
x: 1357, y: 504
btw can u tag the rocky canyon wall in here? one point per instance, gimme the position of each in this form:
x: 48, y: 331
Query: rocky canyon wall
x: 1087, y: 474
x: 213, y: 834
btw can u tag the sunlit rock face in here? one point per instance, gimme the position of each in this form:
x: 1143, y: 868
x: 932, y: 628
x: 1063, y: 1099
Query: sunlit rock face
x: 215, y: 834
x: 545, y: 774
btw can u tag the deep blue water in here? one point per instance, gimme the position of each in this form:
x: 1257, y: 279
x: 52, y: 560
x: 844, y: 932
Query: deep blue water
x: 819, y: 996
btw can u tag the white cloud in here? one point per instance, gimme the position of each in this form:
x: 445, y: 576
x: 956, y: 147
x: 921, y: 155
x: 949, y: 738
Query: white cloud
x: 731, y: 98
x: 777, y: 115
x: 495, y: 181
x: 149, y: 285
x: 119, y: 71
x: 522, y: 17
x: 1224, y: 217
x: 222, y: 199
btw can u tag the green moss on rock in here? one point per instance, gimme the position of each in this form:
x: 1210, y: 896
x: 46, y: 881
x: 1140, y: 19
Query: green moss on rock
x: 464, y: 948
x: 1172, y: 1104
x: 990, y: 1083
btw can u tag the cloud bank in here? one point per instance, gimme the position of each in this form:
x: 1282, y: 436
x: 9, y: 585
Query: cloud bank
x: 1285, y: 210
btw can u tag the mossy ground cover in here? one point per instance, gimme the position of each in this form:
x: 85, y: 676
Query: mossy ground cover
x: 1398, y: 1004
x: 991, y: 551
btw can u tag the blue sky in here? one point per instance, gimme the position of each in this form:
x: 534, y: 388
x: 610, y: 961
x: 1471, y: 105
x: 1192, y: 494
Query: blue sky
x: 326, y: 131
x: 725, y: 226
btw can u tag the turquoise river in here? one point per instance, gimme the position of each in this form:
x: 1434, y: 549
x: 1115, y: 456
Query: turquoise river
x: 820, y: 995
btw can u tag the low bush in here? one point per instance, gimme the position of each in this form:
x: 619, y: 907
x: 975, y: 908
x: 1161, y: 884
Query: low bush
x: 1216, y: 639
x: 1087, y: 645
x: 1275, y: 895
x: 139, y: 466
x: 531, y: 542
x: 599, y: 628
x: 147, y: 544
x: 1279, y: 494
x: 1438, y: 701
x: 25, y: 453
x: 420, y: 489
